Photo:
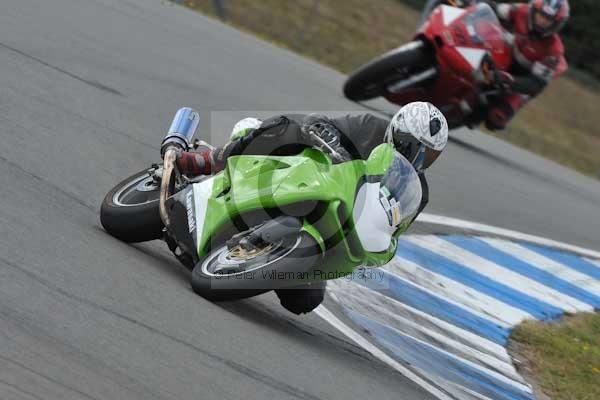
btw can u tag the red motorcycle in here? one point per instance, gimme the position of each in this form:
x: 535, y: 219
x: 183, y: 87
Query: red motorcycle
x: 453, y: 63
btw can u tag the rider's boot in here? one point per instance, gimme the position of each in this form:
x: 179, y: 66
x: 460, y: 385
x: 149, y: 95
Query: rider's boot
x: 193, y: 163
x: 498, y: 117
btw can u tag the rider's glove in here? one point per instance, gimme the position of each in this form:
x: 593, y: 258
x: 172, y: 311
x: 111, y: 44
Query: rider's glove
x: 494, y: 77
x: 503, y: 80
x: 318, y: 131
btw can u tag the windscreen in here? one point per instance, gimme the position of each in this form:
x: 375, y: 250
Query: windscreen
x: 483, y: 25
x: 401, y: 191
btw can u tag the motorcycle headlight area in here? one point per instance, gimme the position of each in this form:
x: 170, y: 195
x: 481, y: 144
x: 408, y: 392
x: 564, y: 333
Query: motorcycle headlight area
x: 382, y: 206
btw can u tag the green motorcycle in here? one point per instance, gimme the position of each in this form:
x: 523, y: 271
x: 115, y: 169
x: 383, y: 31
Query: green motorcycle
x: 283, y: 223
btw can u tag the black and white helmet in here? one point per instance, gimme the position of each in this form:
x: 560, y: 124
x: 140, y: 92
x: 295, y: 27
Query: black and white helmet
x: 419, y: 131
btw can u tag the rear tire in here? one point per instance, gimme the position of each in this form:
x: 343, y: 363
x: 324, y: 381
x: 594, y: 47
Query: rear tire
x: 129, y: 211
x: 297, y: 256
x: 372, y: 79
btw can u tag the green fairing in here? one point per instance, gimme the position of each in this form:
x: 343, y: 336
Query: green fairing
x: 263, y: 182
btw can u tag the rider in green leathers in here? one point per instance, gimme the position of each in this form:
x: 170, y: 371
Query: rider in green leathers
x: 419, y: 132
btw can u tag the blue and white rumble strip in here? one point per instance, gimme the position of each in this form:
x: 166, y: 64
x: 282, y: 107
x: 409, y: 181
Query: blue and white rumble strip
x: 442, y: 311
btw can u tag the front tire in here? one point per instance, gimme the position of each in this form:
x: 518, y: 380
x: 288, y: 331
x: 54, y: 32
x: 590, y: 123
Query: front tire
x: 129, y: 211
x: 372, y: 79
x: 218, y: 278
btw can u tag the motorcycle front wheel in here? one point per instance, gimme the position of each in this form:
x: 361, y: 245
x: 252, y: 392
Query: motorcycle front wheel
x: 231, y: 273
x: 129, y: 211
x: 372, y: 79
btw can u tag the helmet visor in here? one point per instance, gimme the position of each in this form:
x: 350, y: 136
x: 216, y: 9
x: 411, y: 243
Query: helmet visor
x: 542, y: 23
x: 430, y: 156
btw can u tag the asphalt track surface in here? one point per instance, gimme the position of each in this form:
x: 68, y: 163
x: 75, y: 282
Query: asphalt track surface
x: 87, y: 89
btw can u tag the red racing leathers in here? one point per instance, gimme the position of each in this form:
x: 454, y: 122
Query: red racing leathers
x: 536, y: 61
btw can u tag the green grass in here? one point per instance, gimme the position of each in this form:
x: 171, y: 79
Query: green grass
x: 561, y: 125
x: 564, y: 357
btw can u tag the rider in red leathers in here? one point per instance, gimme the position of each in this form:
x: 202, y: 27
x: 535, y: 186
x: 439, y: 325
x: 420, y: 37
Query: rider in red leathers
x: 538, y: 53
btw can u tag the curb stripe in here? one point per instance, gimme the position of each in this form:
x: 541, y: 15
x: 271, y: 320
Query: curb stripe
x: 468, y: 276
x: 438, y: 340
x: 456, y: 291
x: 516, y: 258
x: 573, y: 261
x: 432, y: 360
x: 536, y: 259
x: 465, y: 393
x: 493, y: 230
x: 593, y: 262
x: 324, y: 313
x: 351, y: 293
x: 406, y: 292
x: 503, y: 275
x: 458, y: 391
x: 390, y: 335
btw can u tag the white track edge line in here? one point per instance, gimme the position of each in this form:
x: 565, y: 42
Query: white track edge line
x: 460, y: 223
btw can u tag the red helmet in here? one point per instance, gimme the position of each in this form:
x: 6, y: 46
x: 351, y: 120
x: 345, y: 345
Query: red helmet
x: 546, y: 17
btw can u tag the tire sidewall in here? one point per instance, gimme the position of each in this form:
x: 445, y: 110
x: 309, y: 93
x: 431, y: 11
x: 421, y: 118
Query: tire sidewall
x: 136, y: 223
x: 376, y: 71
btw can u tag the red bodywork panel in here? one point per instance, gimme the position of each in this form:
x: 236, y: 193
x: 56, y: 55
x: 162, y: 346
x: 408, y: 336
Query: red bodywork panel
x: 461, y: 39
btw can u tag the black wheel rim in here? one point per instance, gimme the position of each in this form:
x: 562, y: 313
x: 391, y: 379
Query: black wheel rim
x: 141, y: 190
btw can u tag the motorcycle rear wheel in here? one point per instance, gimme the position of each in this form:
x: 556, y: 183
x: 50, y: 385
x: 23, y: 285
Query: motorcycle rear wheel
x: 372, y: 79
x: 129, y: 211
